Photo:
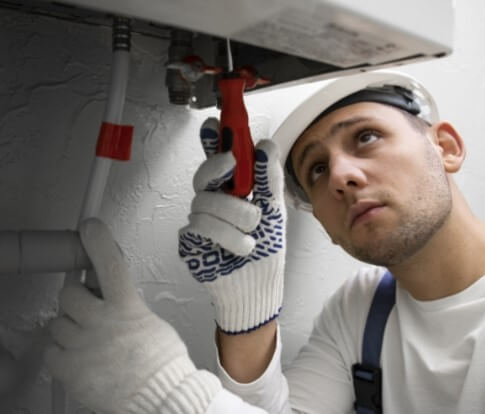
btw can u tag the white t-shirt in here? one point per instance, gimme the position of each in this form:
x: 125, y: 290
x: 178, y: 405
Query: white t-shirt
x: 433, y: 357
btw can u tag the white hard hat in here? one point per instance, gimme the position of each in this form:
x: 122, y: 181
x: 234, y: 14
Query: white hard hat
x: 333, y: 92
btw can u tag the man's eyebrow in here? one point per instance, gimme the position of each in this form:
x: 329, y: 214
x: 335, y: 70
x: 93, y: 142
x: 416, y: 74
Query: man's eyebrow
x: 347, y: 123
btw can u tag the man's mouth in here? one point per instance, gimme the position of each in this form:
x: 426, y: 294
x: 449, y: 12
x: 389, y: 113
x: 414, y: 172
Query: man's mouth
x: 362, y: 211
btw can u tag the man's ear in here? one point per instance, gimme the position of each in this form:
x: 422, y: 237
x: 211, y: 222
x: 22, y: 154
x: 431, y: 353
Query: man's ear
x: 451, y: 146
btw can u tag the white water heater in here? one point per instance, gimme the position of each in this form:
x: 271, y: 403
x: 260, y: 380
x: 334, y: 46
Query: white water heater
x: 285, y: 41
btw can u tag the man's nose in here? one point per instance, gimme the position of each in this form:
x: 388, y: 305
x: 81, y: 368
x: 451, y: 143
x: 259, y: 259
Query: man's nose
x: 346, y: 176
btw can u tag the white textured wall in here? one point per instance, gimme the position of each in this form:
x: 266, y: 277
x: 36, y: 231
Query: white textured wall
x: 53, y: 81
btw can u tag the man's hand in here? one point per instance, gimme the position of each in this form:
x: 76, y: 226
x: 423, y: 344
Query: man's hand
x: 113, y: 354
x: 236, y: 247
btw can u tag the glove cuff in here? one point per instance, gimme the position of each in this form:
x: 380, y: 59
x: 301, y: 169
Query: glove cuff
x: 179, y: 388
x: 250, y: 299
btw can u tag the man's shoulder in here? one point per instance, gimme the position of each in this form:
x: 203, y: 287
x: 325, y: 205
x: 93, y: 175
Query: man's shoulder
x: 361, y: 285
x: 344, y: 314
x: 353, y: 298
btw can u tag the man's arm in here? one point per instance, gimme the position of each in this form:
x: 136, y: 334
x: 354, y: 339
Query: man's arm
x: 246, y: 356
x: 136, y: 361
x: 236, y: 248
x: 253, y: 372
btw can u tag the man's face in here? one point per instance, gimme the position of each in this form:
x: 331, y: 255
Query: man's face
x: 376, y: 183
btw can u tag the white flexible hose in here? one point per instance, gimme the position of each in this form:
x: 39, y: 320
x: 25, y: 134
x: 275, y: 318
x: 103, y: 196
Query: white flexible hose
x: 113, y: 114
x: 97, y: 182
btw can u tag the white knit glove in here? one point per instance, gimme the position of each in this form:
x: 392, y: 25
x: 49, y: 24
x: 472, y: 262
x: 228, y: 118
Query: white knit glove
x: 236, y: 247
x: 113, y: 354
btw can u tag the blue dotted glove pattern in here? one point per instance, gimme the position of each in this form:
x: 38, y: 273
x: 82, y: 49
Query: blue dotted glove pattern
x: 210, y: 140
x: 216, y: 184
x: 207, y: 261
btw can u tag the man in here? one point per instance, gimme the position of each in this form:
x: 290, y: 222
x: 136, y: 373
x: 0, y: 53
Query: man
x: 369, y: 157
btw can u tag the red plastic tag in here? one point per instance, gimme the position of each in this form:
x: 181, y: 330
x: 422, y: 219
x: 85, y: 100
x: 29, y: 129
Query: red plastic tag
x: 114, y: 141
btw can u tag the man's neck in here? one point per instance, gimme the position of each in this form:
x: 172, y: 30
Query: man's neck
x: 450, y: 262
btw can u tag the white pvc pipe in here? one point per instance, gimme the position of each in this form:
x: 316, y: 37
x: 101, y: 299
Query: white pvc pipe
x: 50, y: 251
x: 96, y: 186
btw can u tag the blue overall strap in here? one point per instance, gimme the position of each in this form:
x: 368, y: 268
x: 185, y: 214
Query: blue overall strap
x: 367, y: 376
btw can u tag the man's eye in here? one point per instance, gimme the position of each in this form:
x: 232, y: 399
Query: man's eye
x: 366, y: 137
x: 316, y: 171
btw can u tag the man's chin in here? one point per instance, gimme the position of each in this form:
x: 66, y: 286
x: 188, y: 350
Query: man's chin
x: 376, y: 252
